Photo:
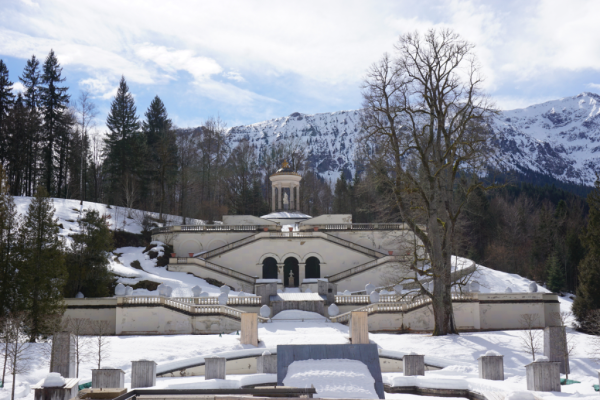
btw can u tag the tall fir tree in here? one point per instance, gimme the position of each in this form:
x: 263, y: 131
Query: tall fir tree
x: 9, y: 225
x: 31, y: 79
x: 162, y: 149
x: 54, y: 101
x: 556, y: 274
x: 43, y: 273
x: 87, y: 257
x: 124, y: 144
x: 6, y: 103
x: 588, y: 291
x: 18, y: 128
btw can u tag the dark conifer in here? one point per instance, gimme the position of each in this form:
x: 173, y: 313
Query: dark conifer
x: 87, y: 257
x: 162, y: 149
x: 6, y: 103
x: 43, y: 273
x: 53, y: 101
x: 9, y: 225
x: 125, y: 144
x: 31, y: 79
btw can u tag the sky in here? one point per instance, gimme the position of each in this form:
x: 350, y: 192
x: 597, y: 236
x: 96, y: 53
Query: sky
x: 249, y: 61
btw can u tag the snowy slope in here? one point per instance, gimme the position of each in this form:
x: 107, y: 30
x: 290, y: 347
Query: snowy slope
x: 68, y: 211
x: 560, y: 138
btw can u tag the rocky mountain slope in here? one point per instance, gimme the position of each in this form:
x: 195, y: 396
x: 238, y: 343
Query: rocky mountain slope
x: 558, y: 138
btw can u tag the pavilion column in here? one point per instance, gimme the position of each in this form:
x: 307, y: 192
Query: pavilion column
x: 292, y: 198
x: 273, y: 197
x: 280, y: 196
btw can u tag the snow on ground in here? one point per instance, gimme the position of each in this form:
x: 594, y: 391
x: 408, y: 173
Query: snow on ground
x: 459, y: 352
x: 339, y: 378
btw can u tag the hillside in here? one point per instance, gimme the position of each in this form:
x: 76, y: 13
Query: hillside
x: 559, y: 138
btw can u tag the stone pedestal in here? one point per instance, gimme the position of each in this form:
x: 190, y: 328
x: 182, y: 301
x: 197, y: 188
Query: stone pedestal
x: 108, y: 378
x: 543, y: 376
x: 359, y: 327
x: 555, y: 346
x: 491, y: 367
x: 143, y: 374
x: 413, y: 364
x: 265, y: 291
x: 266, y: 364
x: 249, y: 333
x: 214, y: 368
x: 63, y: 355
x: 327, y: 289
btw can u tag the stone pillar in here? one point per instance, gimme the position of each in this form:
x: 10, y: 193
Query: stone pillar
x: 265, y: 291
x: 249, y: 333
x: 63, y: 355
x: 214, y: 368
x: 543, y: 375
x: 108, y: 378
x: 413, y: 364
x: 273, y: 201
x: 555, y: 346
x: 298, y: 194
x: 301, y: 272
x: 491, y: 367
x: 266, y: 364
x: 280, y: 195
x: 143, y: 374
x: 280, y: 272
x: 359, y: 327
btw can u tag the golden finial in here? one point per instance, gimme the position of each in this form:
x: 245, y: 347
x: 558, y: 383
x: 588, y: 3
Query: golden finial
x: 285, y: 164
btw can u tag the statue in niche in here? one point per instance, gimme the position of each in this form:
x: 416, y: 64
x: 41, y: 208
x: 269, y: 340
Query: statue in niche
x: 291, y: 281
x: 286, y: 201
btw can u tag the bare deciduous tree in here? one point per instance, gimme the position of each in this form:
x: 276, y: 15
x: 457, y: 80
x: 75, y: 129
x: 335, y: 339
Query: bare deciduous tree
x: 101, y: 330
x: 562, y: 319
x: 531, y: 337
x: 86, y: 112
x: 18, y: 345
x: 425, y: 129
x: 80, y: 328
x: 130, y: 193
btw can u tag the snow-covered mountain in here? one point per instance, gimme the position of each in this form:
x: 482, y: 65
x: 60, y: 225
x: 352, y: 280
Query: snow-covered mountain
x: 558, y: 138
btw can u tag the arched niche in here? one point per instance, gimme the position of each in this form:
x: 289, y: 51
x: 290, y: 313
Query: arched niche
x: 269, y: 268
x: 291, y: 268
x: 312, y: 268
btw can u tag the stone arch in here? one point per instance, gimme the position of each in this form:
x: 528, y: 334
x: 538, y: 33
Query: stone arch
x: 267, y: 255
x: 288, y: 255
x: 269, y: 268
x: 291, y: 267
x: 312, y: 268
x: 316, y: 255
x: 190, y: 246
x: 216, y: 243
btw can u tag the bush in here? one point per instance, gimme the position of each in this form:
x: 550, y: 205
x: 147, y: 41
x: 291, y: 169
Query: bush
x: 128, y: 239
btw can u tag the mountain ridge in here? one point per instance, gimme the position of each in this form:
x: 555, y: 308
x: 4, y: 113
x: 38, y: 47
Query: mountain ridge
x: 559, y: 138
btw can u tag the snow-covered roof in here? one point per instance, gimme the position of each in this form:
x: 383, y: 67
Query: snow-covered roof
x: 286, y: 215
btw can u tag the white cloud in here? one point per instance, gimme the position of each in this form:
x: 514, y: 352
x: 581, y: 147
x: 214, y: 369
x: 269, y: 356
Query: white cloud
x: 326, y: 45
x: 18, y: 87
x: 594, y: 85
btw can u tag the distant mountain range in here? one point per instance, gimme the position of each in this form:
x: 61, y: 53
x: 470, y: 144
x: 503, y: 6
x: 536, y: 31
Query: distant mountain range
x: 559, y: 139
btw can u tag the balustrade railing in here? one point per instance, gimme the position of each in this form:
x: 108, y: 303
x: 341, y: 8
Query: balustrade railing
x: 185, y: 304
x: 211, y: 228
x: 404, y: 307
x: 356, y: 227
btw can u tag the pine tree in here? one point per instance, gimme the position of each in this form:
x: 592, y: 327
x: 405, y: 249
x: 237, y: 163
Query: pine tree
x: 54, y: 101
x: 6, y: 103
x: 162, y: 149
x: 87, y: 258
x: 31, y: 79
x: 18, y: 128
x: 556, y: 274
x: 9, y: 225
x: 125, y: 147
x: 43, y: 272
x: 588, y: 292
